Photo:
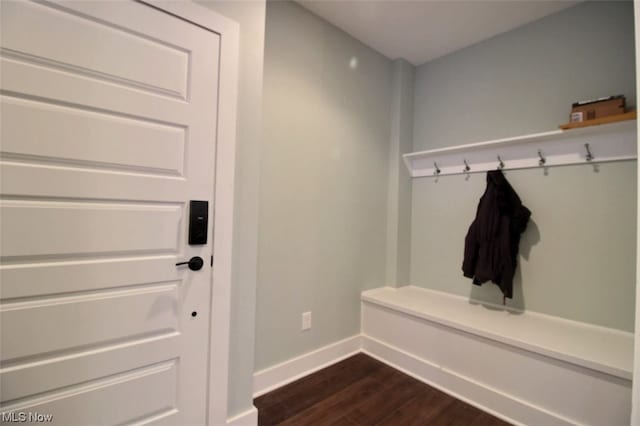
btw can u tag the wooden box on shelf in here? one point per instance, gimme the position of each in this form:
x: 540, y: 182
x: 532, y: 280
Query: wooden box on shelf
x: 597, y: 108
x: 631, y: 115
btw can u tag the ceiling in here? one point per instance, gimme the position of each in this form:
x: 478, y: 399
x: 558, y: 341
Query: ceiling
x: 420, y: 31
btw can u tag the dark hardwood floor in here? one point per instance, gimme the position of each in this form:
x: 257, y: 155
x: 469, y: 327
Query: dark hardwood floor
x: 363, y: 391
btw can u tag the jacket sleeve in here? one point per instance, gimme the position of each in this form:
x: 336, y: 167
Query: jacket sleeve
x: 471, y: 247
x: 520, y: 219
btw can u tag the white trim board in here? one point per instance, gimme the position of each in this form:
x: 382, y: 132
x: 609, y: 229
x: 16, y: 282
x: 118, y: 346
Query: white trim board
x: 271, y: 378
x: 247, y: 418
x: 499, y: 403
x: 504, y: 405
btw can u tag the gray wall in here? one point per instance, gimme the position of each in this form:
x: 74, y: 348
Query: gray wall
x: 251, y: 17
x: 578, y: 252
x: 323, y: 187
x: 525, y: 80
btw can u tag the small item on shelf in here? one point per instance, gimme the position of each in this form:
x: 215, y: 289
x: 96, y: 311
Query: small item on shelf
x: 631, y: 115
x: 598, y: 111
x: 598, y: 108
x: 577, y: 117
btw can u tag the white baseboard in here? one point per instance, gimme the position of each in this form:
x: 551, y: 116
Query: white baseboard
x: 279, y: 375
x: 511, y: 409
x: 499, y: 403
x: 248, y: 418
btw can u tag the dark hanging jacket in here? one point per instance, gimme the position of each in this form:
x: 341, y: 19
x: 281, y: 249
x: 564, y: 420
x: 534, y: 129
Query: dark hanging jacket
x: 491, y: 244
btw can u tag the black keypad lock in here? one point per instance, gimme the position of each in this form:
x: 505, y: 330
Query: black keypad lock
x: 198, y: 222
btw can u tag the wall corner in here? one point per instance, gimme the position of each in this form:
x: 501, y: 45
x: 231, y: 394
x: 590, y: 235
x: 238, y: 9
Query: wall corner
x: 398, y: 250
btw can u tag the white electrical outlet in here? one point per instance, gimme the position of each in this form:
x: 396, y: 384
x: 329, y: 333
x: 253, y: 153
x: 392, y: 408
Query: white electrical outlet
x: 306, y: 320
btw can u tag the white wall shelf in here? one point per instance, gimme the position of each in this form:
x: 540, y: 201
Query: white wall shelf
x: 607, y: 142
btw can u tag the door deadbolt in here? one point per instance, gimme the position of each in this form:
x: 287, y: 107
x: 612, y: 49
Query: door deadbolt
x: 195, y: 263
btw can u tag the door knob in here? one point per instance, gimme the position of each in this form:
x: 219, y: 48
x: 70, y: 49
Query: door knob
x: 195, y: 263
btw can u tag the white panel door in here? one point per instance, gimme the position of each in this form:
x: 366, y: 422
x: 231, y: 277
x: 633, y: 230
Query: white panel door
x: 108, y: 123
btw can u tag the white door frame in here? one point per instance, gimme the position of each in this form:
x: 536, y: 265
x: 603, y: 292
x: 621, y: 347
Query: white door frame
x: 228, y: 30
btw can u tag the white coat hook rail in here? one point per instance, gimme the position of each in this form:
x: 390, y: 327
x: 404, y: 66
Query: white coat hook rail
x: 611, y: 142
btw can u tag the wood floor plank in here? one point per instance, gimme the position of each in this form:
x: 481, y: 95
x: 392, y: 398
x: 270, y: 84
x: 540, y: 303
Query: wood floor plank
x: 426, y: 405
x: 486, y: 419
x: 458, y: 413
x: 337, y: 405
x: 350, y: 369
x: 399, y: 389
x: 342, y: 421
x: 362, y: 391
x: 297, y: 396
x: 272, y: 414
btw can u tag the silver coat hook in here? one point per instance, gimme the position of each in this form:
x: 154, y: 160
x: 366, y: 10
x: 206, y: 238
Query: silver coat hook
x: 589, y: 155
x: 437, y: 171
x: 542, y: 160
x: 500, y: 163
x: 466, y: 166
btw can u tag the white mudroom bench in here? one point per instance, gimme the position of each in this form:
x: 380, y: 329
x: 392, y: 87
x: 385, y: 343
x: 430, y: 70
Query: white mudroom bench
x: 525, y: 367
